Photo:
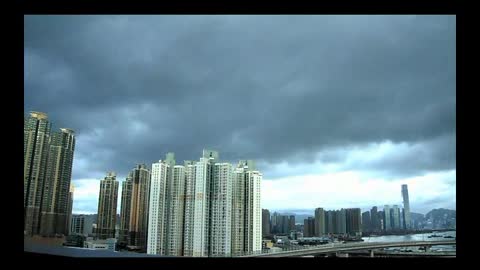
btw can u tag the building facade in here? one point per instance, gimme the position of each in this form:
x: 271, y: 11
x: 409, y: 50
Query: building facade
x: 125, y: 209
x: 36, y: 137
x: 386, y: 218
x: 247, y: 214
x: 353, y: 221
x: 176, y: 206
x: 221, y: 209
x: 253, y: 222
x: 107, y: 207
x: 158, y: 206
x: 139, y: 204
x: 406, y: 206
x: 366, y: 222
x: 319, y: 222
x: 265, y: 223
x: 395, y: 217
x: 203, y: 179
x: 189, y: 208
x: 56, y: 201
x: 78, y: 225
x: 309, y: 227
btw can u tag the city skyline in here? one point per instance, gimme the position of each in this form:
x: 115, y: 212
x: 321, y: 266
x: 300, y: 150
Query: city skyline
x: 358, y: 105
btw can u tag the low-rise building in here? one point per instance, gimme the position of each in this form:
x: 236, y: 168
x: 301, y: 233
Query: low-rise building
x: 107, y: 244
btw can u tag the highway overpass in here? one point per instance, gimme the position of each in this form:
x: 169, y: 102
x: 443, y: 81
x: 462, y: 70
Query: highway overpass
x: 345, y: 248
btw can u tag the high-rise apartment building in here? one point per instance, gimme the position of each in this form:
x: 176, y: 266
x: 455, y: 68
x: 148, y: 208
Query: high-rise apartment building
x: 176, y: 206
x: 125, y: 208
x: 48, y: 159
x: 330, y: 222
x: 36, y: 137
x: 319, y: 222
x: 395, y: 217
x: 265, y: 223
x: 291, y: 223
x: 387, y: 225
x: 107, y: 207
x: 309, y: 227
x: 238, y: 210
x: 366, y: 222
x: 204, y: 208
x: 138, y: 226
x: 158, y: 231
x: 70, y: 207
x: 253, y: 222
x: 353, y: 221
x: 203, y: 179
x: 375, y: 220
x: 340, y: 221
x: 275, y: 222
x: 78, y: 225
x: 406, y: 206
x: 56, y: 194
x: 189, y: 208
x: 221, y: 208
x: 247, y: 215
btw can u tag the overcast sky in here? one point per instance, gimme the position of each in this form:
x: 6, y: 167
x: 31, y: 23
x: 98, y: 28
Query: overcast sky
x: 337, y: 111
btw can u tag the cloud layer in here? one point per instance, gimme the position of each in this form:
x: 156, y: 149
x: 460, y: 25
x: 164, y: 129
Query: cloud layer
x: 296, y: 90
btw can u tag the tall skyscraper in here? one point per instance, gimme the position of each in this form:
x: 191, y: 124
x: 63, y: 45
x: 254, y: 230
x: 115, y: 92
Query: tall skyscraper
x: 204, y: 208
x: 176, y: 206
x: 107, y: 207
x: 221, y: 208
x: 48, y: 159
x: 275, y: 223
x: 291, y: 223
x: 375, y: 219
x: 406, y: 205
x: 340, y: 221
x: 56, y: 194
x: 366, y: 222
x: 203, y: 179
x: 36, y: 136
x: 253, y: 222
x: 265, y: 222
x: 125, y: 208
x: 309, y: 227
x: 330, y: 221
x: 238, y: 210
x: 354, y: 221
x: 386, y: 218
x: 395, y: 217
x: 189, y: 207
x: 319, y: 222
x: 139, y: 207
x: 70, y: 207
x: 158, y: 231
x: 247, y: 230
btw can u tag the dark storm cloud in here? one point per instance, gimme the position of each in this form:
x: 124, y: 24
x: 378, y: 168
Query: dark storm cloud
x: 261, y: 87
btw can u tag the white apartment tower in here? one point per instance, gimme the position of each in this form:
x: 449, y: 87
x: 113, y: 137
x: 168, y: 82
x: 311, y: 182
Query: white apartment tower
x: 221, y: 208
x: 189, y: 208
x: 203, y: 175
x: 176, y: 197
x: 157, y: 218
x: 204, y: 208
x: 238, y: 211
x: 247, y: 213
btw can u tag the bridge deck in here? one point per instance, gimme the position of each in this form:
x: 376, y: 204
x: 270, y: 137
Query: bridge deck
x: 334, y: 247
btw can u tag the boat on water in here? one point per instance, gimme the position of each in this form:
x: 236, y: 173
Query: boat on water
x: 434, y: 235
x: 448, y: 236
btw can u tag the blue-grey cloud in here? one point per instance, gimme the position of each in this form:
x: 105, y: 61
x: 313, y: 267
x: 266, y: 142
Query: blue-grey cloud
x: 270, y: 88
